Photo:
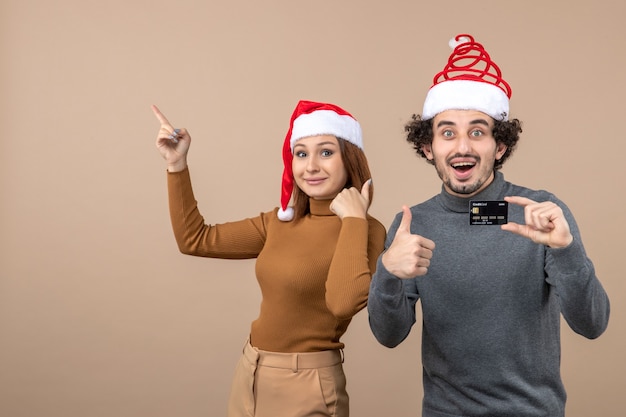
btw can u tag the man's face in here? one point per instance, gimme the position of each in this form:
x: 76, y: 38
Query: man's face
x: 464, y: 151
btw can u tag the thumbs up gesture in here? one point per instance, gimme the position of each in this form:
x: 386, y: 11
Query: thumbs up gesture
x: 351, y: 202
x: 409, y: 255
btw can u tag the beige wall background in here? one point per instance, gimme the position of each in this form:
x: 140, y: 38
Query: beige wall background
x: 99, y: 313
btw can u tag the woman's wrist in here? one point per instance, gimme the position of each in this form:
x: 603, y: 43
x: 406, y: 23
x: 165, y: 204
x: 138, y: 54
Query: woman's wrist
x: 177, y: 167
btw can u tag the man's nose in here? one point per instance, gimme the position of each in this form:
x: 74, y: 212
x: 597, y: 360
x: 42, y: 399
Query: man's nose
x: 463, y: 144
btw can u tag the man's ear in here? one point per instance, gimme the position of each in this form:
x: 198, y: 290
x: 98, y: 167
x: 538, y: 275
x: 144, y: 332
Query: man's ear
x: 427, y: 149
x: 500, y: 150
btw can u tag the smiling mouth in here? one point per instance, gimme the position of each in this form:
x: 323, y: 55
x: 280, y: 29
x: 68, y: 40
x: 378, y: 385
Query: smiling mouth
x: 463, y: 166
x: 314, y: 180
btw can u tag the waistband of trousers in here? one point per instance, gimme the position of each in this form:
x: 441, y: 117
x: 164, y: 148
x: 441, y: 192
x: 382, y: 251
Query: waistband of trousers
x: 293, y: 361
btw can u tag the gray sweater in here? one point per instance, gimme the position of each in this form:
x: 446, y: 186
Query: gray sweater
x: 491, y: 305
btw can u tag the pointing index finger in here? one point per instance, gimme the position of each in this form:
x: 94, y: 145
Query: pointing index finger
x: 160, y: 116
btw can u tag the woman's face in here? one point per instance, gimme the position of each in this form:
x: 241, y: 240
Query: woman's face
x: 318, y: 168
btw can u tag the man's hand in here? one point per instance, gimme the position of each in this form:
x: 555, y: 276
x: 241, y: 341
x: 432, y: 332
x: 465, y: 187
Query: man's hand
x: 409, y: 255
x: 545, y: 223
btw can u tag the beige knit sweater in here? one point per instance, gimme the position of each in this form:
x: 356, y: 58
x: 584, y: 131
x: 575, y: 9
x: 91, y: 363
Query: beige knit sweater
x: 314, y: 273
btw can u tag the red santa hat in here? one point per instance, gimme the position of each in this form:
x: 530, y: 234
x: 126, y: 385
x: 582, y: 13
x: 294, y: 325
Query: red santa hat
x: 311, y: 119
x: 470, y: 81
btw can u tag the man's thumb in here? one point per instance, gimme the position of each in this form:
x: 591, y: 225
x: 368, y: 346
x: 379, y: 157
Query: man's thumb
x: 405, y: 223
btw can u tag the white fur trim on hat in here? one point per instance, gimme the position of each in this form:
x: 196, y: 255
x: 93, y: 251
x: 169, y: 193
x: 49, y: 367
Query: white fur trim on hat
x: 466, y: 95
x: 327, y: 122
x: 285, y: 215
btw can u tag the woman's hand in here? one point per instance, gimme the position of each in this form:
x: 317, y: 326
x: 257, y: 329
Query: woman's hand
x: 173, y: 144
x: 352, y: 203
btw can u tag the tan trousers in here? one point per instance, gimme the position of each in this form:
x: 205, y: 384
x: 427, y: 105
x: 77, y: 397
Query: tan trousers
x: 269, y: 384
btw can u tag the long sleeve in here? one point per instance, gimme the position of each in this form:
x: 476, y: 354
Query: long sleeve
x: 584, y: 303
x: 235, y: 240
x: 391, y: 303
x: 359, y: 243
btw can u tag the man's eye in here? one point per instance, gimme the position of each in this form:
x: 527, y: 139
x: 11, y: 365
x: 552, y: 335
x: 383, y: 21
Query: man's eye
x: 476, y: 133
x: 447, y: 133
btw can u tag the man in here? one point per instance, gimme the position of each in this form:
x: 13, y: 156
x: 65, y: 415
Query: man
x: 492, y: 291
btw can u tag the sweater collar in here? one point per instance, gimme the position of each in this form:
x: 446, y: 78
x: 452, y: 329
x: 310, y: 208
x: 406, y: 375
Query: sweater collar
x: 461, y: 204
x: 320, y: 207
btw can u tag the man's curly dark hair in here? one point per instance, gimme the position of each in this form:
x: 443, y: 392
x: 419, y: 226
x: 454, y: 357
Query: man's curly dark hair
x: 420, y: 133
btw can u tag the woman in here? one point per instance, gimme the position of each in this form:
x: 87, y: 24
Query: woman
x: 314, y: 261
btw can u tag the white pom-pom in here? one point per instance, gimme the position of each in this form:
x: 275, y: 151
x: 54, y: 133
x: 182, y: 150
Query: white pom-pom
x: 285, y: 215
x: 453, y: 43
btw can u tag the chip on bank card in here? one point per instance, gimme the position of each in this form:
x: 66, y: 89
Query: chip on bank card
x: 485, y: 213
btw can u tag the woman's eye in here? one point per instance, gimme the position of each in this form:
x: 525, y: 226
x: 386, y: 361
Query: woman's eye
x: 326, y: 152
x: 301, y: 154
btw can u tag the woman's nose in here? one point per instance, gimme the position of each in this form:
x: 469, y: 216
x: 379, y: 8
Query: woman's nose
x: 312, y: 164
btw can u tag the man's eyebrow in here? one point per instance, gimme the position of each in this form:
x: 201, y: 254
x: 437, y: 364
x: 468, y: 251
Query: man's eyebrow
x: 480, y: 122
x: 445, y: 123
x: 473, y: 122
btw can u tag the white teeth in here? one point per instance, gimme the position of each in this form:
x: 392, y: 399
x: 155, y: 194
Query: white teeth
x: 463, y: 164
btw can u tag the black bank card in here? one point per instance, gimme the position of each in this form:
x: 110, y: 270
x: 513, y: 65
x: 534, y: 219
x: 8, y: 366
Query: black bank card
x: 486, y: 213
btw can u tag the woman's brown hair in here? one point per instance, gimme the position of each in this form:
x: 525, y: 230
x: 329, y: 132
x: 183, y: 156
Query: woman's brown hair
x: 356, y: 166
